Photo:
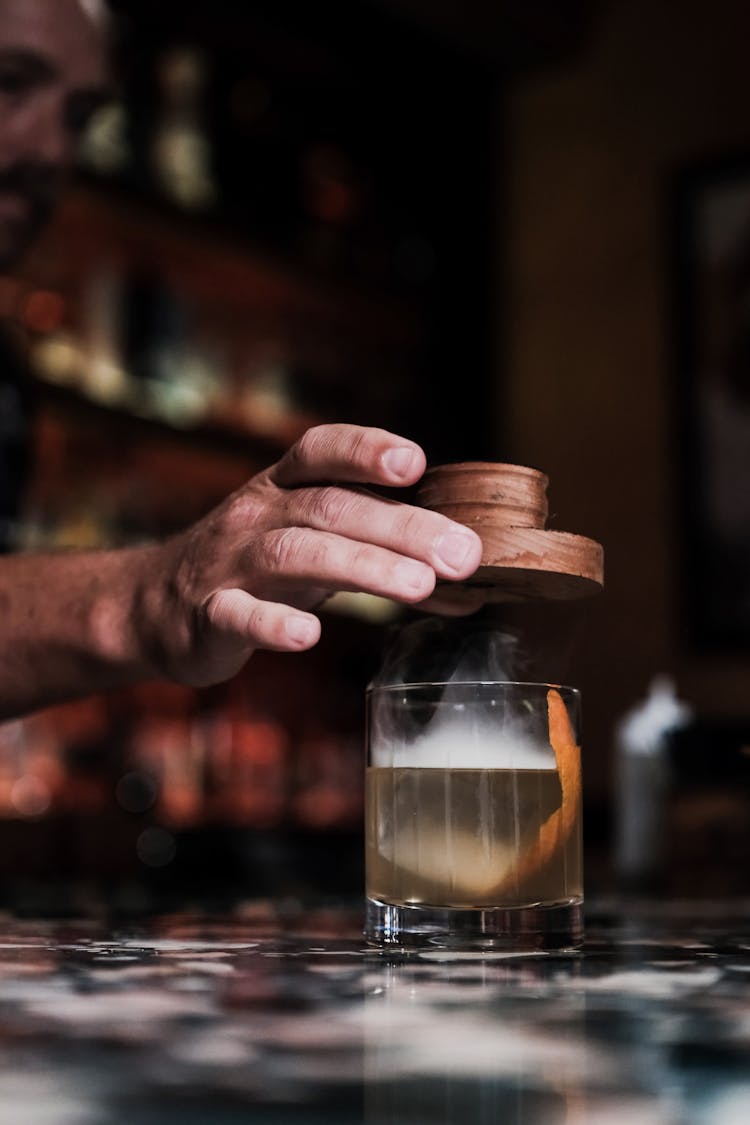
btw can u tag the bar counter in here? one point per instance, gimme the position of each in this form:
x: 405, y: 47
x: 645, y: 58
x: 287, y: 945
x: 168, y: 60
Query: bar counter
x: 278, y: 1013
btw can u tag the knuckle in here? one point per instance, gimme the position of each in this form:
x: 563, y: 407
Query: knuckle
x: 334, y: 441
x: 248, y: 507
x: 413, y: 526
x: 360, y: 446
x: 368, y: 565
x: 308, y: 447
x: 230, y: 520
x: 361, y: 558
x: 281, y: 551
x: 325, y: 506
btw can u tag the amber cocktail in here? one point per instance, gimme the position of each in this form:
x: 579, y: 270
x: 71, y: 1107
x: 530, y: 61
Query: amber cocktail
x: 473, y: 816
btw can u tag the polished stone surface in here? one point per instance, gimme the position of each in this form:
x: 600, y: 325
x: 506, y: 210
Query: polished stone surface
x: 269, y: 1013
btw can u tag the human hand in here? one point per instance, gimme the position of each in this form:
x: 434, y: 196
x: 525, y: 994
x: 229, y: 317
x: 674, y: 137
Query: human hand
x: 248, y: 575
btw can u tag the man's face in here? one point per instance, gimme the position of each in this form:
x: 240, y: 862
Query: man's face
x: 53, y: 75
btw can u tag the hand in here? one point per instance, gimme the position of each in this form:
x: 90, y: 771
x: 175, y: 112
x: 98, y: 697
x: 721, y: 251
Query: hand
x: 248, y: 575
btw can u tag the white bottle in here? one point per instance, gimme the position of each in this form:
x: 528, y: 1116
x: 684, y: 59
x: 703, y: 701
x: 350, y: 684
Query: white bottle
x: 640, y: 784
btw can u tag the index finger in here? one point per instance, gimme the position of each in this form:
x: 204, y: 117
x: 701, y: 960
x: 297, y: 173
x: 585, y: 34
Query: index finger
x: 356, y: 454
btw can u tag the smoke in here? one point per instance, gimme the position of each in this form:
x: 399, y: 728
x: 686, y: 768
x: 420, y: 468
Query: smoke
x: 442, y: 650
x: 448, y: 696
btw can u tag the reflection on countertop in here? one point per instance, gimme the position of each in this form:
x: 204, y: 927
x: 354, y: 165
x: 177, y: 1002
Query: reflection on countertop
x: 277, y: 1014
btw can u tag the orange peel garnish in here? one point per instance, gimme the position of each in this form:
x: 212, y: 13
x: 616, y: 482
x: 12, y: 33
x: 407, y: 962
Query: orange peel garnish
x: 559, y: 824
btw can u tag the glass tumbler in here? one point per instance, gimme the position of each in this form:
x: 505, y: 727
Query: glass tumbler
x: 473, y: 816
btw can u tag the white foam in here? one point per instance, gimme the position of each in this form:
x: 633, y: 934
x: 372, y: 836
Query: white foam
x: 458, y: 746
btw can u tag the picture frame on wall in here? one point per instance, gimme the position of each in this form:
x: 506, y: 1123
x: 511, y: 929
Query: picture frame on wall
x: 710, y: 207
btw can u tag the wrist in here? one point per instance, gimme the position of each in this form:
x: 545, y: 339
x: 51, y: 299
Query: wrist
x: 153, y: 630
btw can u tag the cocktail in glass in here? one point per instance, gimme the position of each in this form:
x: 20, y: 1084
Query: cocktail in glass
x: 473, y: 816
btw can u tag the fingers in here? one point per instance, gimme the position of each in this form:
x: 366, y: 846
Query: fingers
x: 454, y: 602
x: 293, y: 559
x: 239, y: 623
x: 356, y: 454
x: 453, y: 551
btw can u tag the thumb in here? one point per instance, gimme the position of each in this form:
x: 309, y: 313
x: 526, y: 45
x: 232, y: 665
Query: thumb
x: 239, y: 623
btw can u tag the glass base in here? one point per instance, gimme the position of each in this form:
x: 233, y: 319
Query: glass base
x: 543, y: 928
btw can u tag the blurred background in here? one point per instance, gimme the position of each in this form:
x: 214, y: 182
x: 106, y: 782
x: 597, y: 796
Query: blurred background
x: 514, y: 231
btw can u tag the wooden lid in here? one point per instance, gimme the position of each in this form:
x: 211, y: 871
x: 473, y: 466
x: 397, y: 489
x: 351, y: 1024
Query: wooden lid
x: 511, y: 495
x: 507, y: 506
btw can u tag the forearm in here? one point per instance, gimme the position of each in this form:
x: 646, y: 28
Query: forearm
x: 72, y: 623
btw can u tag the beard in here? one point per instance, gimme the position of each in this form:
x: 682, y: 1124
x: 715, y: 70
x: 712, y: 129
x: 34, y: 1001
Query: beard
x: 28, y: 194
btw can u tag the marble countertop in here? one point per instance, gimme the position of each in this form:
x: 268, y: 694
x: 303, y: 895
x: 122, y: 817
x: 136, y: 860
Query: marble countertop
x: 276, y: 1015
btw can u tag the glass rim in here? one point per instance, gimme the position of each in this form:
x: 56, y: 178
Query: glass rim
x: 567, y: 688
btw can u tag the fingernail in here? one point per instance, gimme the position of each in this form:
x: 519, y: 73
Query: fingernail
x: 412, y: 576
x: 455, y: 549
x: 299, y: 630
x: 399, y: 462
